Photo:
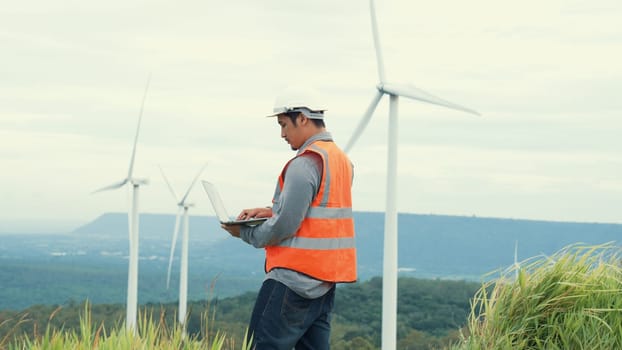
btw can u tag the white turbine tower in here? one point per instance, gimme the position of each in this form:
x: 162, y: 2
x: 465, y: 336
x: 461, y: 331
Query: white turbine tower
x: 389, y: 284
x: 183, y: 277
x: 132, y: 275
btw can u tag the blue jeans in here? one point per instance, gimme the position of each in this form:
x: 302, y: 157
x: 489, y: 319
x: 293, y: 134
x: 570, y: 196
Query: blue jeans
x: 283, y: 320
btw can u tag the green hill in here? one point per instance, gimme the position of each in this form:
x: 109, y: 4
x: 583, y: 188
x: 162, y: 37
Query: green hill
x: 91, y: 262
x: 430, y: 309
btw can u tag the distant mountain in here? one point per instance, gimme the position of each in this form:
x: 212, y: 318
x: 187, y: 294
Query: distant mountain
x: 430, y: 245
x: 467, y: 247
x: 151, y: 225
x: 91, y: 261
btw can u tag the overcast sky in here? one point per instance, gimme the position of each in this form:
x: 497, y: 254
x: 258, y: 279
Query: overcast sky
x: 546, y: 76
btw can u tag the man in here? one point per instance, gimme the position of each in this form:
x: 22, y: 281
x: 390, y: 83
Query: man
x: 308, y: 238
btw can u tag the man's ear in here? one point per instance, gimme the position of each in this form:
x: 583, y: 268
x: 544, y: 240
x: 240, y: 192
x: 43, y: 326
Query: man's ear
x: 302, y: 119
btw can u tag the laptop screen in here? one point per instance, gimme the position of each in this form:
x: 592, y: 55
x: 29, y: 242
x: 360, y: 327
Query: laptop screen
x: 220, y: 210
x: 214, y: 197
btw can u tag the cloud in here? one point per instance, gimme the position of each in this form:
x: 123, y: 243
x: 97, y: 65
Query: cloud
x: 545, y: 76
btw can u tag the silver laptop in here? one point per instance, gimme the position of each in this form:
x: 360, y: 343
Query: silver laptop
x: 220, y: 210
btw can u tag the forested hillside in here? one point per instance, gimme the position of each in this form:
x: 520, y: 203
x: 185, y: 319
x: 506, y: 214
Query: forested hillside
x: 430, y: 312
x: 91, y: 262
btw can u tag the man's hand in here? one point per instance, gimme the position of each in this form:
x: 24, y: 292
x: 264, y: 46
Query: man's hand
x: 255, y: 213
x: 234, y: 230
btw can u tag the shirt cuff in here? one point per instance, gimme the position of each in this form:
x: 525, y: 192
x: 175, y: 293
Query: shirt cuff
x: 245, y: 233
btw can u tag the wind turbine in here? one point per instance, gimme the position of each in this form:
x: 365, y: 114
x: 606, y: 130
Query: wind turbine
x: 183, y: 278
x: 132, y: 275
x: 389, y: 279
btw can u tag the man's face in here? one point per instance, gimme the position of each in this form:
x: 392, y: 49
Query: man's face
x: 290, y: 132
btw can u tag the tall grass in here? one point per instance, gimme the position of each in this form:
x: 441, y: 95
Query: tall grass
x: 571, y: 300
x: 150, y: 334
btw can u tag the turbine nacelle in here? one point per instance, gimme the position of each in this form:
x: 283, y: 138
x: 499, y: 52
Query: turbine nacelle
x: 380, y: 87
x: 139, y: 182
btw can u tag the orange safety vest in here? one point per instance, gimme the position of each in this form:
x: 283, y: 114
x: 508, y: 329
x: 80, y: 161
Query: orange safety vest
x: 323, y: 247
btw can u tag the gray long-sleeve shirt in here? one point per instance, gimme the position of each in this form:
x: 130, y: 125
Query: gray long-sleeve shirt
x: 302, y: 183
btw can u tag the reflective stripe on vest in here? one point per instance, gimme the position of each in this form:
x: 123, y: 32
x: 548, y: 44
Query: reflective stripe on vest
x: 324, y: 245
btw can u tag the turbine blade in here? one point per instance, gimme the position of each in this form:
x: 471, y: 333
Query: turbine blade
x: 415, y: 93
x: 170, y: 188
x: 183, y: 200
x: 376, y: 36
x: 364, y: 121
x: 173, y: 244
x: 140, y: 117
x: 114, y: 186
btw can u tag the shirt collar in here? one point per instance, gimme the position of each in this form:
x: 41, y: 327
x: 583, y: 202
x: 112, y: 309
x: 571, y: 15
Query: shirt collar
x: 321, y: 136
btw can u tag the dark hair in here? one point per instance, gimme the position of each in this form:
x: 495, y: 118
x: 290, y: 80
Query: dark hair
x: 294, y: 116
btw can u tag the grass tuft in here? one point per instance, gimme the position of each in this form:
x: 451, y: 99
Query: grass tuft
x: 150, y: 334
x: 571, y: 300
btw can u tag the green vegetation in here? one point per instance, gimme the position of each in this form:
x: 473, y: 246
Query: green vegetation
x: 571, y: 300
x: 149, y: 335
x: 30, y: 282
x: 430, y: 314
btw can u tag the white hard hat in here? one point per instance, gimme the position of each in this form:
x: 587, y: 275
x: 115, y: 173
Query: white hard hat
x: 298, y: 100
